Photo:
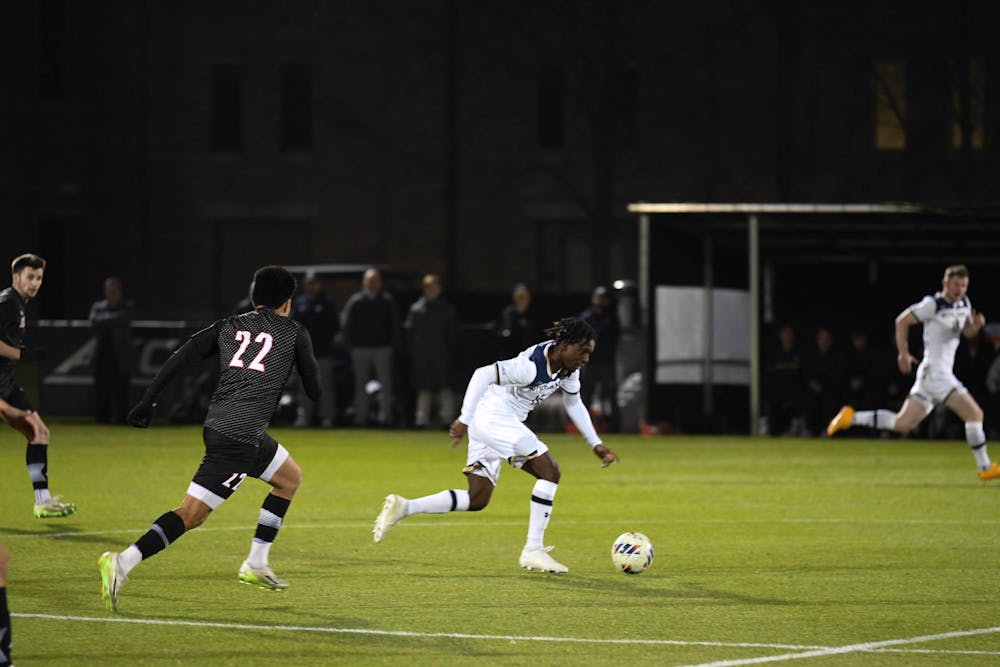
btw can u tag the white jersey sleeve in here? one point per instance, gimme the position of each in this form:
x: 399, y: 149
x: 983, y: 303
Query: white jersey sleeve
x: 519, y: 371
x: 924, y: 309
x: 571, y: 385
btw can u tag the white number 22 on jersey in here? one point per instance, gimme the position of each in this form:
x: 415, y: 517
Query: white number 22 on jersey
x: 244, y: 337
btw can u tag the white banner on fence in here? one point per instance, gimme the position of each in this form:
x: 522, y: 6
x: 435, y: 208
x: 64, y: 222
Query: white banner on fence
x: 681, y: 340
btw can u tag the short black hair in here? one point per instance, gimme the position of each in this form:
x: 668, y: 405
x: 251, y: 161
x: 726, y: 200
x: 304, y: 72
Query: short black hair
x: 272, y: 286
x: 571, y: 330
x: 26, y: 261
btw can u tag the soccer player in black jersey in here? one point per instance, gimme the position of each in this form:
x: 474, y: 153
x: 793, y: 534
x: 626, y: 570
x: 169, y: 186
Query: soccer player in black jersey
x: 256, y: 353
x: 26, y: 279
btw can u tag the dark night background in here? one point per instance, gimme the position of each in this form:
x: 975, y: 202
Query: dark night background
x: 182, y: 143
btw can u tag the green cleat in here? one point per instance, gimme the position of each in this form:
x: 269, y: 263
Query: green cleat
x: 112, y: 579
x: 261, y: 576
x: 53, y: 509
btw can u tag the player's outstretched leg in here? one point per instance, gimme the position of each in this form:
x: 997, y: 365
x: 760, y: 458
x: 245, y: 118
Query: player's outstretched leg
x: 841, y: 421
x: 396, y: 507
x: 115, y: 566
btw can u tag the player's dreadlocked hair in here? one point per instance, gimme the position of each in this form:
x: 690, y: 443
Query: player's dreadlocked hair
x: 571, y: 330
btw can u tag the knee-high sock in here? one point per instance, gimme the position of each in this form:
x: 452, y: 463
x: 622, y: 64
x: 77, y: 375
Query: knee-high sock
x: 976, y: 437
x: 542, y: 496
x: 36, y: 457
x: 452, y: 500
x: 272, y: 515
x: 164, y: 532
x: 884, y: 420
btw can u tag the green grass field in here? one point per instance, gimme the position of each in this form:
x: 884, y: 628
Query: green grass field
x: 844, y: 552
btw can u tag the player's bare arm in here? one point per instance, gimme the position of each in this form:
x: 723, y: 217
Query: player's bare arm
x: 904, y: 359
x: 974, y: 324
x: 9, y: 351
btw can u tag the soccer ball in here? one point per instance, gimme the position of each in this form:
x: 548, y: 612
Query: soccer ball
x: 632, y: 553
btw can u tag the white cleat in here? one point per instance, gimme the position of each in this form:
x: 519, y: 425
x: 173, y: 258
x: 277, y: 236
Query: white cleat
x: 263, y: 577
x: 540, y: 560
x: 393, y: 509
x: 112, y: 579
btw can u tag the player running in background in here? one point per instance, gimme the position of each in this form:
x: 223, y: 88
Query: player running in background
x: 20, y: 420
x: 256, y: 353
x: 26, y: 279
x: 497, y: 401
x: 945, y: 316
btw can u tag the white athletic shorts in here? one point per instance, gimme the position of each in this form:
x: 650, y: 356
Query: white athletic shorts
x: 495, y: 437
x: 933, y: 386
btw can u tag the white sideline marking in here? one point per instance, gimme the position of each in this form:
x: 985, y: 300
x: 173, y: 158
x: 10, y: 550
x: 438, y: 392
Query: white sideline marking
x: 431, y: 523
x: 872, y: 647
x: 850, y: 648
x: 404, y: 633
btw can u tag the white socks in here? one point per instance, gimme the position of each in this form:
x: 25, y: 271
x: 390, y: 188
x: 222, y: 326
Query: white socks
x: 129, y: 559
x: 884, y: 420
x: 452, y: 500
x: 976, y: 437
x: 259, y: 552
x: 541, y: 508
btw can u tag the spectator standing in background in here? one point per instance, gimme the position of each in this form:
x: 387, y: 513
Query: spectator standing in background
x: 431, y: 328
x: 371, y: 330
x: 601, y: 371
x: 783, y: 385
x: 867, y: 375
x: 823, y: 371
x: 515, y: 326
x: 111, y: 320
x: 317, y: 312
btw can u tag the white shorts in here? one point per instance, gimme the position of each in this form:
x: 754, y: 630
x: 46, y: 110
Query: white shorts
x: 497, y: 437
x: 933, y: 386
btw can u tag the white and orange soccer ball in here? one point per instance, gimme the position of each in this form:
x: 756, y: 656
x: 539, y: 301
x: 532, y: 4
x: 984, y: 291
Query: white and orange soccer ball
x: 632, y: 553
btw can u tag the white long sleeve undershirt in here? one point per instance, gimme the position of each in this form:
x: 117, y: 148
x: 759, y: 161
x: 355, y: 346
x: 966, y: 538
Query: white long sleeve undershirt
x: 577, y: 412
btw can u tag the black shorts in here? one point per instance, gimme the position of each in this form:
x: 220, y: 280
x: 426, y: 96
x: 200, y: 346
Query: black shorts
x: 227, y: 463
x: 18, y: 398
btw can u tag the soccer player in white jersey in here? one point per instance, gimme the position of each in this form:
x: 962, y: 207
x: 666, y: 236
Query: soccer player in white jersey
x: 497, y: 401
x: 945, y: 316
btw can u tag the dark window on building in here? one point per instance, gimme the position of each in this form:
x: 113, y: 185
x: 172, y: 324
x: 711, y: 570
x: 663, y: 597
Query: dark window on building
x: 968, y: 107
x: 890, y: 105
x: 53, y: 54
x: 629, y: 106
x: 227, y: 109
x: 552, y: 107
x: 296, y: 108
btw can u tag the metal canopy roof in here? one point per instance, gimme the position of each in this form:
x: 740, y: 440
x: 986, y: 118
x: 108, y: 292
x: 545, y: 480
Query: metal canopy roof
x: 799, y: 232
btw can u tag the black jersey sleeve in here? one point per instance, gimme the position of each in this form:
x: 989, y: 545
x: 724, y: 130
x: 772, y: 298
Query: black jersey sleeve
x: 305, y: 361
x: 197, y: 348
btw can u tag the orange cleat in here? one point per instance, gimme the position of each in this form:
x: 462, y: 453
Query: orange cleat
x: 992, y: 473
x: 842, y: 421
